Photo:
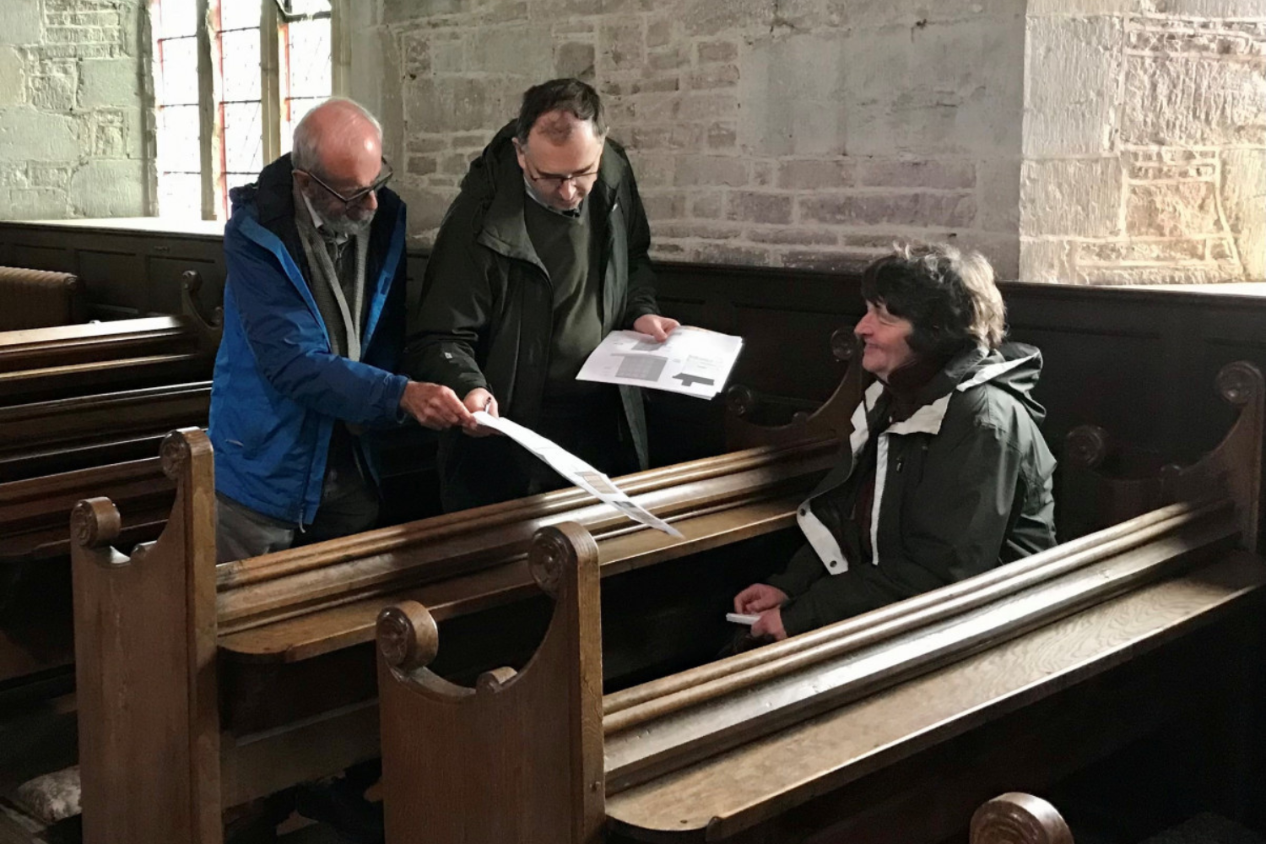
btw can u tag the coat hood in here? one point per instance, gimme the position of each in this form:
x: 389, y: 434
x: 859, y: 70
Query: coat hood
x: 1014, y: 367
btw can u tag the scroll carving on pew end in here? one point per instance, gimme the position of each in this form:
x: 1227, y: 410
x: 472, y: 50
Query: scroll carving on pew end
x: 548, y: 715
x: 145, y: 638
x: 1093, y: 497
x: 832, y: 419
x: 209, y: 331
x: 1019, y: 818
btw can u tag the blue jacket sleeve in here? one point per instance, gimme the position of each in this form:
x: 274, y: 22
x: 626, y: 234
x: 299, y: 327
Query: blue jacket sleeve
x: 291, y: 348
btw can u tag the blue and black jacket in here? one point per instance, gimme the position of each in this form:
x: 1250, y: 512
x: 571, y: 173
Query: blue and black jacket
x: 278, y: 387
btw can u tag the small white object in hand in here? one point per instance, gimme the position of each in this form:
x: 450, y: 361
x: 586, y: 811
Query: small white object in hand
x: 740, y: 618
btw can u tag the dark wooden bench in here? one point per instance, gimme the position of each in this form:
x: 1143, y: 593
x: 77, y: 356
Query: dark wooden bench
x: 49, y: 363
x: 844, y: 731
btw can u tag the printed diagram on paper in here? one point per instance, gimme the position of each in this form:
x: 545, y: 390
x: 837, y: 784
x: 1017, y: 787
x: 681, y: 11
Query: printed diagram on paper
x: 692, y: 360
x: 575, y: 470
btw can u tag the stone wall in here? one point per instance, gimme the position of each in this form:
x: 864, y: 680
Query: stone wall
x: 72, y: 126
x: 794, y: 133
x: 1144, y: 142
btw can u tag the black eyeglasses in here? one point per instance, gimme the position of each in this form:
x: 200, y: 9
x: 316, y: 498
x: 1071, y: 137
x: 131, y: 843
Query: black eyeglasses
x: 384, y: 176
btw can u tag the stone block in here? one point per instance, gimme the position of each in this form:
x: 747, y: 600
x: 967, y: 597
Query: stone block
x: 732, y: 254
x: 793, y: 237
x: 722, y: 136
x: 621, y: 45
x: 1080, y: 8
x: 816, y: 174
x: 655, y: 170
x: 660, y: 33
x: 1208, y: 8
x: 448, y: 53
x: 1077, y: 198
x: 415, y: 52
x: 829, y: 260
x: 938, y: 210
x: 707, y: 205
x: 12, y: 77
x: 109, y: 82
x: 698, y: 230
x: 519, y: 50
x: 1244, y: 200
x: 574, y: 59
x: 455, y: 104
x: 421, y: 165
x: 50, y: 174
x: 20, y: 22
x: 1002, y: 251
x: 672, y: 57
x: 899, y: 173
x: 35, y: 204
x: 710, y: 171
x: 752, y: 207
x: 54, y: 91
x: 23, y: 131
x: 716, y: 52
x: 664, y: 205
x: 108, y: 189
x: 426, y: 205
x: 1047, y: 261
x: 998, y: 195
x: 716, y: 76
x: 106, y: 131
x: 1172, y: 209
x: 946, y: 90
x: 1222, y: 102
x: 763, y: 174
x: 710, y: 18
x: 792, y: 93
x: 1165, y: 252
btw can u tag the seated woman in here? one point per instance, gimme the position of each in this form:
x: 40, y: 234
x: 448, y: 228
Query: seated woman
x: 946, y: 474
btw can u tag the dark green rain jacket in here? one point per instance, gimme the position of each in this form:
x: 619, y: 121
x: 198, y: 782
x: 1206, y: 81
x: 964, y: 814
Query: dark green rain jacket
x: 962, y: 485
x: 486, y: 314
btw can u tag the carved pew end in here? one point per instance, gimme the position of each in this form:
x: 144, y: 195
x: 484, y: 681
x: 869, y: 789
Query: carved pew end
x: 408, y: 636
x: 1018, y: 818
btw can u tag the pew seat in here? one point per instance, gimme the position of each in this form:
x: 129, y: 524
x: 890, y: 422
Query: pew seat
x: 888, y: 727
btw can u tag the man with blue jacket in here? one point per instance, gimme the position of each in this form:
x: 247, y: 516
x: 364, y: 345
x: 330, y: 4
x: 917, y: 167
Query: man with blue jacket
x: 314, y: 312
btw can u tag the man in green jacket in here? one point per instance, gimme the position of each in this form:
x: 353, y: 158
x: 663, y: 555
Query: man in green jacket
x: 542, y: 254
x: 946, y: 474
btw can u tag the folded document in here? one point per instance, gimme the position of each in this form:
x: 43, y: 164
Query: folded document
x: 692, y: 360
x: 576, y: 470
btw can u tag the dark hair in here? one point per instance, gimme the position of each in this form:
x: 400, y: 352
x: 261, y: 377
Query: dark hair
x: 570, y: 95
x: 949, y: 297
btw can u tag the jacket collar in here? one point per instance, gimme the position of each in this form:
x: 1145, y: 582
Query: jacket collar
x: 504, y: 229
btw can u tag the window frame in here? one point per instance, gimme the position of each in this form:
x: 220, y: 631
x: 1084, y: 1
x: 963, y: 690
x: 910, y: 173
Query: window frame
x: 273, y: 23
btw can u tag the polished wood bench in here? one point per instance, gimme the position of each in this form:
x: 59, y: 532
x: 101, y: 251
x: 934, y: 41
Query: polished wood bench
x: 48, y: 363
x: 842, y: 729
x: 226, y: 670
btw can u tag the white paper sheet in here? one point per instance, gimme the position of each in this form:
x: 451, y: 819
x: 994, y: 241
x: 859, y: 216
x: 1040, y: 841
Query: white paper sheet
x: 575, y: 470
x: 693, y: 361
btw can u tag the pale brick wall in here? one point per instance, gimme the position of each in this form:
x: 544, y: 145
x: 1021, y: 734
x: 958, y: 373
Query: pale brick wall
x: 1145, y: 142
x: 797, y: 133
x: 72, y: 129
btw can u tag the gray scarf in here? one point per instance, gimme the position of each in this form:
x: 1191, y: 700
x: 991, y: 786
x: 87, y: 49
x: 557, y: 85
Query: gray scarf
x: 331, y: 292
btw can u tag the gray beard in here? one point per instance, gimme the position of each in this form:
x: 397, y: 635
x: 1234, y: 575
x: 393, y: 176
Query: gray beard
x: 349, y: 227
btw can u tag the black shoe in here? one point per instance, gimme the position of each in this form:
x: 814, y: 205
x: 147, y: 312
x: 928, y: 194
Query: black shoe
x: 343, y: 807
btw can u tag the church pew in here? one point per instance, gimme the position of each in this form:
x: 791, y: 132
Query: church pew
x: 242, y: 700
x: 733, y: 749
x: 268, y: 632
x: 1019, y: 818
x: 49, y: 363
x: 50, y: 437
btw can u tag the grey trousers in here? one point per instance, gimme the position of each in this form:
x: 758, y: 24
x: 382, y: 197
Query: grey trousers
x: 242, y: 532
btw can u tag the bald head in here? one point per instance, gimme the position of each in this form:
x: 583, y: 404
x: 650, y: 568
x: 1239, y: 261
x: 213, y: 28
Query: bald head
x: 337, y: 152
x: 339, y: 139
